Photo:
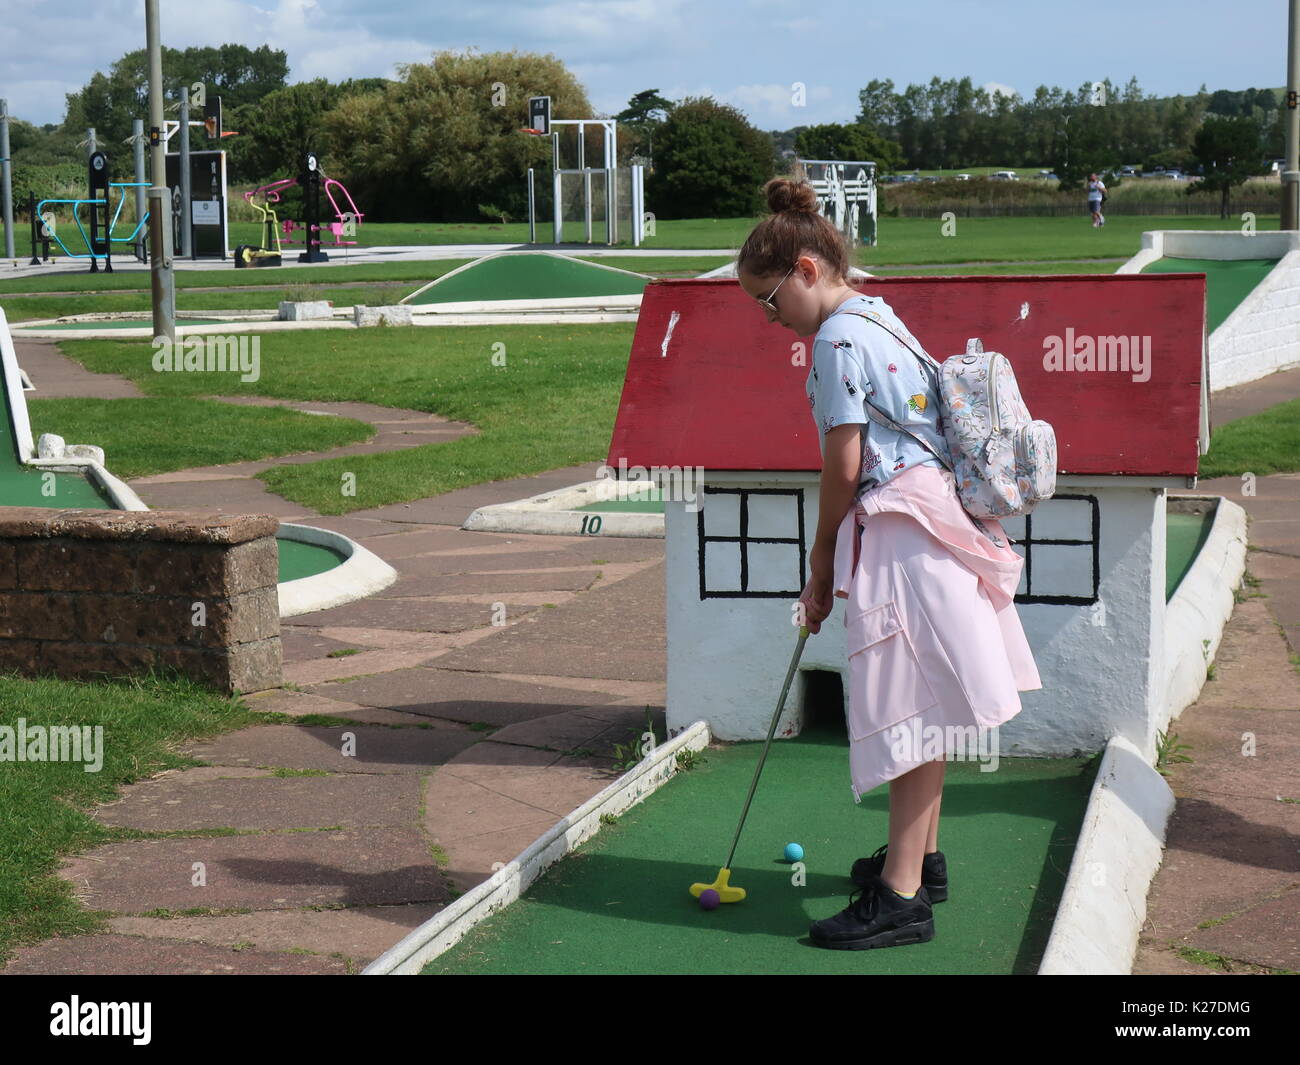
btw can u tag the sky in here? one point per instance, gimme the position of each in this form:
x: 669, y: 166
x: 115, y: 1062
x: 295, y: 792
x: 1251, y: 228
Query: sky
x: 783, y: 64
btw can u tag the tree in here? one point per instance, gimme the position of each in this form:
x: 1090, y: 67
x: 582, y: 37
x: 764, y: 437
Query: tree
x: 644, y: 114
x: 712, y: 163
x: 277, y: 132
x: 878, y: 107
x: 852, y: 143
x: 1230, y: 150
x: 109, y: 102
x: 445, y: 136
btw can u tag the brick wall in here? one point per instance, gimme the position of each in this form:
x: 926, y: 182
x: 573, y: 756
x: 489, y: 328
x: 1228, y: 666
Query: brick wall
x: 86, y: 593
x: 1262, y: 335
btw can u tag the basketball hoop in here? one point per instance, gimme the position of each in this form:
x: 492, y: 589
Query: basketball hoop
x: 535, y: 132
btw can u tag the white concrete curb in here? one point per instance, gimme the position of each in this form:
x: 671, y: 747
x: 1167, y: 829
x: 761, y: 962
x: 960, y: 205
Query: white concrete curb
x: 1118, y: 852
x: 442, y: 931
x: 549, y: 513
x: 1202, y: 604
x: 362, y: 574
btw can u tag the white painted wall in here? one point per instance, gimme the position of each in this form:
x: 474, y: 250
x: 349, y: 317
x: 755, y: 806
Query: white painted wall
x: 728, y: 656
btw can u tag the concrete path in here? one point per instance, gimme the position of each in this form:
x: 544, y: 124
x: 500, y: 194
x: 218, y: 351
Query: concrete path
x: 471, y: 738
x: 1227, y: 896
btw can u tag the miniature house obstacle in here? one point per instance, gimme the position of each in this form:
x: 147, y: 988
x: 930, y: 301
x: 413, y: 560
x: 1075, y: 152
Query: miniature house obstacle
x: 711, y: 384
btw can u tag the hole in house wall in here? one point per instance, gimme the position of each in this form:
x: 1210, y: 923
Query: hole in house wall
x: 823, y: 703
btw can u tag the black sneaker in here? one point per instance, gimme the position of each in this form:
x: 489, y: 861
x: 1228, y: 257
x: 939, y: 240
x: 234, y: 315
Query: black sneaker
x: 934, y: 872
x: 876, y: 916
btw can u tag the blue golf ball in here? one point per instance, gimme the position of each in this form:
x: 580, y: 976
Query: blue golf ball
x: 793, y: 852
x: 709, y: 899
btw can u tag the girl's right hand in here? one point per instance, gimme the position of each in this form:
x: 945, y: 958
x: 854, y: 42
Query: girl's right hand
x: 818, y: 600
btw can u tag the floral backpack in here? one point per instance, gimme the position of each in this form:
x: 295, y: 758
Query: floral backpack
x: 1003, y: 460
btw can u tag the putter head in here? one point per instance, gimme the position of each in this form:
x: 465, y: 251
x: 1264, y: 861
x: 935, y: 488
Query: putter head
x: 726, y: 893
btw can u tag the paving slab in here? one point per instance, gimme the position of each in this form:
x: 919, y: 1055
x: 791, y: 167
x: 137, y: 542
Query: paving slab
x: 1242, y: 753
x: 1249, y: 664
x: 614, y: 631
x: 1223, y: 855
x: 360, y: 934
x: 56, y: 376
x: 299, y: 704
x: 551, y: 782
x: 487, y: 587
x: 456, y: 695
x: 115, y: 955
x: 350, y: 800
x: 377, y: 749
x: 413, y: 539
x: 1267, y: 934
x: 413, y: 613
x: 274, y: 870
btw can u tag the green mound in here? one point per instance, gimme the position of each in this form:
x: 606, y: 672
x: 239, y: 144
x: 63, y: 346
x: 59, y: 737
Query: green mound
x: 528, y: 276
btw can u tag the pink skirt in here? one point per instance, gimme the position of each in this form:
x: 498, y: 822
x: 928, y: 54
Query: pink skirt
x: 935, y: 647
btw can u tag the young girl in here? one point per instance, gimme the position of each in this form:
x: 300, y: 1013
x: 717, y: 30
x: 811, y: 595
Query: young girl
x: 934, y: 642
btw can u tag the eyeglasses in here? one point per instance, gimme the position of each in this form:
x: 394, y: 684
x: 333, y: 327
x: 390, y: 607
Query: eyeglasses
x: 766, y: 301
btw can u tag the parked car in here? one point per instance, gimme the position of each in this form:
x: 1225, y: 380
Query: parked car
x: 1004, y: 175
x: 962, y: 177
x: 1128, y: 171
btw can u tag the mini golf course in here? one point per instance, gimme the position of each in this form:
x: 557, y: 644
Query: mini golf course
x: 1185, y: 534
x: 619, y: 903
x: 1227, y: 281
x: 25, y: 485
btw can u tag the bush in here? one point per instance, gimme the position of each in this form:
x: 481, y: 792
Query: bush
x: 709, y: 163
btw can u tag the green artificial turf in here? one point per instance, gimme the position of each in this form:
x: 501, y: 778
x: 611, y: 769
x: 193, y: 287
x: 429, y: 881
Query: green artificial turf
x: 620, y: 904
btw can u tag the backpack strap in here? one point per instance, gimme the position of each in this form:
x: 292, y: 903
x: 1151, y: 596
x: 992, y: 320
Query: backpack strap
x: 887, y: 420
x: 924, y: 358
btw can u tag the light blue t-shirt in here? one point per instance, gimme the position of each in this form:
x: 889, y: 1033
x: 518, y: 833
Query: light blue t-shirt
x: 853, y: 357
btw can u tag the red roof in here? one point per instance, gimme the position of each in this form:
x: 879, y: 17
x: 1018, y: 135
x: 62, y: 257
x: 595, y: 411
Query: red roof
x: 715, y: 386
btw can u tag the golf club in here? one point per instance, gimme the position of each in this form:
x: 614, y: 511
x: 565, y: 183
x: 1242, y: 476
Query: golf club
x: 726, y: 892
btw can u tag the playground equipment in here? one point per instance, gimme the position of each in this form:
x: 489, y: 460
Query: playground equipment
x: 312, y: 180
x: 100, y: 239
x: 618, y: 190
x: 846, y: 195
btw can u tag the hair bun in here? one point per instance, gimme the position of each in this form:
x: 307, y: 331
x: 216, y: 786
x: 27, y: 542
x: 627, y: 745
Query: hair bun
x: 786, y: 195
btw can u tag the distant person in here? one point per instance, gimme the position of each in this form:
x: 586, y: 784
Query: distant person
x: 1096, y: 194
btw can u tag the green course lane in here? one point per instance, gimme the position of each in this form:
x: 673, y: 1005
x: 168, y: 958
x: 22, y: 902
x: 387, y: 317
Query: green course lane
x: 305, y: 560
x: 620, y: 903
x: 1227, y: 282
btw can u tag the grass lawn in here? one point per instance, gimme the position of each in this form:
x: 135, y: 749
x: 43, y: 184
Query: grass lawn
x: 44, y: 801
x: 552, y: 404
x: 1263, y: 443
x: 156, y: 434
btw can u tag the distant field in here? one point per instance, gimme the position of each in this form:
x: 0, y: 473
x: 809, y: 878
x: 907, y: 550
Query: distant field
x: 915, y: 245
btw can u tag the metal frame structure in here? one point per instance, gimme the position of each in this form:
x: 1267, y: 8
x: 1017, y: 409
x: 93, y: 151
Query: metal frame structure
x: 609, y: 168
x: 840, y: 197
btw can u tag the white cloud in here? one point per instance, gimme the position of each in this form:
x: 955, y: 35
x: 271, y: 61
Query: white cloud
x: 992, y: 87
